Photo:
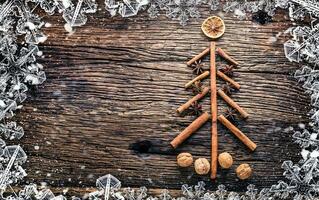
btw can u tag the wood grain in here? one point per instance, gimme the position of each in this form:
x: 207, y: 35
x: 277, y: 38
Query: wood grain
x: 108, y: 105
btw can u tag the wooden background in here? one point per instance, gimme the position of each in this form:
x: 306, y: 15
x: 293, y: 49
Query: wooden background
x: 108, y: 105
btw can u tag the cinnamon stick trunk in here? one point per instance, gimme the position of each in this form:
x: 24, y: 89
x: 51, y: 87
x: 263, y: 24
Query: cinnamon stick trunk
x: 214, y: 137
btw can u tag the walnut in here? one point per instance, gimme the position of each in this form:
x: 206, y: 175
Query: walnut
x: 225, y: 160
x: 202, y: 166
x: 244, y: 171
x: 184, y: 159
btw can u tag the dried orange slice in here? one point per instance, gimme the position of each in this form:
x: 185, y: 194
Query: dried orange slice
x: 213, y: 27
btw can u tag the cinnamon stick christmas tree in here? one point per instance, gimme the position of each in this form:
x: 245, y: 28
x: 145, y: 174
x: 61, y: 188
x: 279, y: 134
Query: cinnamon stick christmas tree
x: 214, y: 91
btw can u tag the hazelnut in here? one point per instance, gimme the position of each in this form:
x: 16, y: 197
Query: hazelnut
x: 244, y: 171
x: 225, y: 160
x: 184, y: 159
x: 202, y: 166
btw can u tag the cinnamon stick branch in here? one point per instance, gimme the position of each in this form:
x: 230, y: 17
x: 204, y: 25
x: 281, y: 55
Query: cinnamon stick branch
x: 188, y: 131
x: 185, y: 106
x: 240, y: 135
x: 200, y: 77
x: 214, y: 137
x: 197, y: 57
x: 232, y: 103
x: 223, y: 54
x: 228, y: 79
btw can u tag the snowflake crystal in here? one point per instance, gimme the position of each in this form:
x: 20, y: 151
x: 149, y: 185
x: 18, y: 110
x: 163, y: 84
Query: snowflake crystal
x: 75, y: 15
x: 126, y: 8
x: 303, y: 180
x: 156, y: 6
x: 182, y: 10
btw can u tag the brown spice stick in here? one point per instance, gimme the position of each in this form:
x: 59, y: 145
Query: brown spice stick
x: 200, y: 77
x: 233, y: 104
x: 188, y: 131
x: 186, y: 105
x: 197, y: 57
x: 213, y: 98
x: 240, y: 135
x: 223, y: 54
x: 228, y: 79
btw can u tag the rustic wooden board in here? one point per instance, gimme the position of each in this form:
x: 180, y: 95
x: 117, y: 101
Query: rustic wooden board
x: 109, y: 103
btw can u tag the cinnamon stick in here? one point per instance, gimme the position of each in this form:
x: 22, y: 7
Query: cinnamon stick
x: 228, y: 79
x: 223, y: 54
x: 197, y: 57
x: 232, y: 103
x: 214, y: 137
x: 200, y: 77
x: 240, y: 135
x: 183, y: 107
x: 188, y: 131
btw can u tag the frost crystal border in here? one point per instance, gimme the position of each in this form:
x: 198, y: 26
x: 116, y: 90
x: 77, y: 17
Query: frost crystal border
x: 19, y: 69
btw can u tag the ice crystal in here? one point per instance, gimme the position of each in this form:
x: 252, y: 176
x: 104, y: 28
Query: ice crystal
x: 126, y: 8
x: 241, y: 8
x: 310, y: 6
x: 306, y: 139
x: 304, y: 45
x: 10, y: 165
x: 107, y: 186
x: 214, y: 4
x: 18, y: 70
x: 73, y: 12
x: 165, y: 195
x: 20, y: 34
x: 156, y: 7
x: 303, y: 179
x: 11, y: 130
x: 138, y: 194
x: 182, y: 10
x: 75, y: 15
x: 31, y: 192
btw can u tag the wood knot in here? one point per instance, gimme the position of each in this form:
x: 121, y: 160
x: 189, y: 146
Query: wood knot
x: 141, y: 146
x: 262, y: 17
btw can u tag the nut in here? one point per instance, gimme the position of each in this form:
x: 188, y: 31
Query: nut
x: 184, y: 159
x: 225, y: 160
x: 202, y: 166
x: 244, y: 171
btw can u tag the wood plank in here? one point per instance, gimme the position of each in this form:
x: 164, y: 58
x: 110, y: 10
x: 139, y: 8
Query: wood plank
x: 109, y: 103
